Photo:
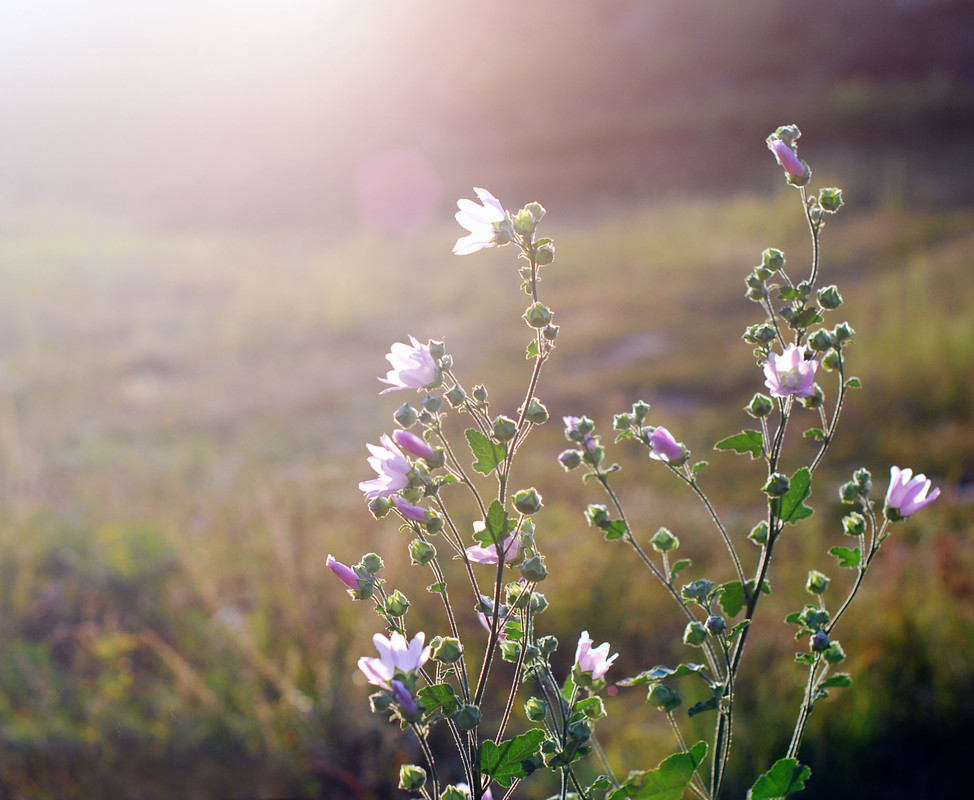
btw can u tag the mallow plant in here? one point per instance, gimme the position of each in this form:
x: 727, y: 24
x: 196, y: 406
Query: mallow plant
x: 473, y: 528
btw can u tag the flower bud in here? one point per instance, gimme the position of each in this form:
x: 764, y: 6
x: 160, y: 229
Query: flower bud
x: 817, y: 582
x: 621, y: 422
x: 528, y: 501
x: 640, y: 410
x: 412, y: 444
x: 536, y: 210
x: 830, y: 361
x: 864, y: 480
x: 772, y: 259
x: 550, y: 332
x: 537, y: 315
x: 405, y: 416
x: 834, y: 654
x: 777, y: 485
x: 467, y: 717
x: 853, y: 524
x: 815, y: 399
x: 411, y: 778
x: 814, y: 618
x: 760, y: 406
x: 409, y: 511
x: 849, y: 492
x: 664, y: 697
x: 433, y: 403
x: 716, y: 625
x: 760, y: 334
x: 421, y: 552
x: 544, y: 255
x: 547, y: 645
x: 456, y: 396
x: 821, y: 340
x: 524, y: 222
x: 829, y: 297
x: 380, y: 702
x: 480, y: 394
x: 843, y: 332
x: 396, y: 604
x: 536, y: 413
x: 504, y: 428
x: 698, y: 591
x: 437, y: 349
x: 538, y: 603
x: 763, y: 273
x: 820, y: 642
x: 580, y: 730
x: 533, y: 568
x: 830, y: 199
x: 405, y: 700
x: 597, y: 515
x: 453, y: 793
x: 663, y: 541
x: 695, y: 634
x: 446, y: 649
x: 759, y: 534
x: 371, y: 563
x: 535, y: 709
x: 434, y: 524
x: 570, y: 459
x: 379, y: 506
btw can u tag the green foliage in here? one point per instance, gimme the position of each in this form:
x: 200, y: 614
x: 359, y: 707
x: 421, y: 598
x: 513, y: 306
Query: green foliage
x: 785, y: 777
x: 505, y: 761
x: 747, y: 441
x: 488, y: 455
x: 791, y: 507
x: 667, y: 782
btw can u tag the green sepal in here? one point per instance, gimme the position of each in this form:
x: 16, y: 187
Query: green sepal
x: 848, y: 556
x: 667, y: 782
x: 504, y: 762
x: 785, y: 777
x: 489, y: 455
x: 747, y: 441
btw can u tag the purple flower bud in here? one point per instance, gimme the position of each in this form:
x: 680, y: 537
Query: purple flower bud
x: 666, y: 448
x: 345, y: 573
x: 408, y: 510
x: 412, y: 443
x: 796, y: 171
x: 405, y: 699
x: 907, y: 493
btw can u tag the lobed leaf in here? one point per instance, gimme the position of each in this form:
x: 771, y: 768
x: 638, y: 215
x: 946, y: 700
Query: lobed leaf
x: 747, y: 441
x: 488, y: 455
x: 848, y: 556
x: 667, y: 782
x: 504, y: 762
x: 785, y: 777
x: 791, y: 507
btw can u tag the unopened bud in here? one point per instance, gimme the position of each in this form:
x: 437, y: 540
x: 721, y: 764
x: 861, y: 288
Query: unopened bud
x: 533, y: 568
x: 544, y: 255
x: 597, y: 515
x: 820, y: 642
x: 504, y: 428
x: 570, y: 459
x: 829, y: 297
x: 716, y: 625
x: 777, y: 485
x: 664, y: 697
x: 528, y: 501
x: 759, y: 534
x: 535, y: 709
x: 446, y: 649
x: 467, y: 717
x: 405, y: 415
x: 853, y: 524
x: 456, y: 396
x: 695, y: 634
x: 537, y: 315
x: 396, y: 604
x: 760, y: 406
x: 421, y: 552
x: 821, y: 340
x: 772, y: 259
x: 480, y: 394
x: 411, y: 778
x: 663, y: 541
x: 834, y: 654
x: 843, y: 332
x: 699, y: 591
x: 536, y: 413
x: 817, y: 582
x: 379, y: 506
x: 433, y: 403
x: 830, y: 199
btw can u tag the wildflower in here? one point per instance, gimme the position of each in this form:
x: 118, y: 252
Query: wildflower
x: 480, y: 554
x: 408, y: 510
x: 790, y: 374
x: 796, y: 170
x: 413, y: 444
x: 593, y: 662
x: 395, y: 655
x: 666, y: 448
x: 345, y: 573
x: 481, y: 220
x: 907, y: 493
x: 393, y: 469
x: 413, y: 367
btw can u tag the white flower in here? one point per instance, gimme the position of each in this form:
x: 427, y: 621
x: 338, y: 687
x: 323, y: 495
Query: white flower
x: 413, y: 367
x: 395, y: 653
x: 480, y: 221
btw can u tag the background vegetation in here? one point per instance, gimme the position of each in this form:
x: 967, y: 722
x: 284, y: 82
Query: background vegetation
x: 188, y: 355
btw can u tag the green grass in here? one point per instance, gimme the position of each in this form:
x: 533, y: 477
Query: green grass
x: 182, y: 428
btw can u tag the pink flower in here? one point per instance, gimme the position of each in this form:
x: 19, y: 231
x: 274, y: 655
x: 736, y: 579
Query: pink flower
x: 413, y: 367
x: 479, y: 554
x: 790, y: 374
x: 463, y: 787
x: 408, y: 510
x: 485, y: 621
x: 345, y: 573
x: 666, y: 448
x: 480, y: 220
x: 395, y: 654
x: 789, y: 160
x: 907, y: 493
x: 392, y: 467
x: 593, y: 662
x: 412, y: 443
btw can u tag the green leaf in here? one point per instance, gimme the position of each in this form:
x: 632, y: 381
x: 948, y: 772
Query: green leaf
x: 667, y: 782
x: 678, y: 566
x: 704, y: 705
x: 496, y: 526
x: 791, y: 507
x: 785, y: 777
x: 747, y: 441
x: 503, y: 762
x: 814, y: 433
x: 439, y: 697
x: 794, y: 618
x: 660, y: 673
x: 840, y: 681
x: 488, y: 454
x: 738, y: 628
x: 697, y: 467
x: 804, y: 658
x: 591, y: 707
x: 731, y: 598
x: 532, y: 350
x: 848, y: 556
x: 436, y: 588
x: 853, y: 383
x: 805, y: 319
x: 601, y: 783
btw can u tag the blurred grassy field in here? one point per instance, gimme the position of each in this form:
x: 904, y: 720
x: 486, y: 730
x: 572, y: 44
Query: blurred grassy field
x: 182, y: 428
